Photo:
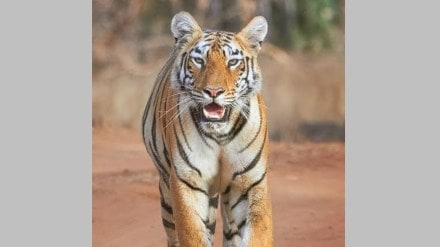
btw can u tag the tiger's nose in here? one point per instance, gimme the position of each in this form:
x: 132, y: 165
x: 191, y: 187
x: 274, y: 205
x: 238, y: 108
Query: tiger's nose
x: 213, y: 92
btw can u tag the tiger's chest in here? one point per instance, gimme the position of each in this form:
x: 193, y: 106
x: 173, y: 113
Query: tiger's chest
x: 217, y: 158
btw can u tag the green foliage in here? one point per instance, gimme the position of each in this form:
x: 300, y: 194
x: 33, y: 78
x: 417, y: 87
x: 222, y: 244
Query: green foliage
x: 302, y: 25
x: 306, y: 25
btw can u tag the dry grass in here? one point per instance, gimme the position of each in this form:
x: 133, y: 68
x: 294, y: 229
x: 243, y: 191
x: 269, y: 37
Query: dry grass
x: 304, y: 95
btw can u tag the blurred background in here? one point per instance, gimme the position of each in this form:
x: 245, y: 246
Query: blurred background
x: 302, y: 60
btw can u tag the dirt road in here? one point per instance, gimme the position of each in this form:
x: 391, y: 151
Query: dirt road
x: 306, y: 182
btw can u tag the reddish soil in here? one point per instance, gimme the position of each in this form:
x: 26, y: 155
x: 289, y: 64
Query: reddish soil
x: 306, y: 182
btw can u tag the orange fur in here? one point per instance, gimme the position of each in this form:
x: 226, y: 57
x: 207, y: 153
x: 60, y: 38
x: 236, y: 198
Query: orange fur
x: 200, y: 160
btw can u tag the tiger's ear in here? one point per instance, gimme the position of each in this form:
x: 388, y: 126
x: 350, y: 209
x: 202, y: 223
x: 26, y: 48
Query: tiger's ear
x: 183, y: 25
x: 255, y: 32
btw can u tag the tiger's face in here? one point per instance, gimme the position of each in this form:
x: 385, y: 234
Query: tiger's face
x: 217, y: 71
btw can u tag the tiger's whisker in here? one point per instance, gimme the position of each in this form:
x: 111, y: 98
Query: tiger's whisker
x: 175, y: 106
x: 177, y: 114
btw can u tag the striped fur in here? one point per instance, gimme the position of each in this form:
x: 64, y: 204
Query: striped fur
x: 203, y: 160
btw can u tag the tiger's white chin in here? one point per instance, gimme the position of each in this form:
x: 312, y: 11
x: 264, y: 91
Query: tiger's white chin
x: 217, y: 127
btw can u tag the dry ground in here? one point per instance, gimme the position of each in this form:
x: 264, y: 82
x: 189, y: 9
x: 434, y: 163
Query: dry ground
x: 306, y: 184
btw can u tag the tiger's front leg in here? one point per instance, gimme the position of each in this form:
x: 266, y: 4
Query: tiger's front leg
x: 260, y: 217
x: 194, y: 210
x: 247, y: 214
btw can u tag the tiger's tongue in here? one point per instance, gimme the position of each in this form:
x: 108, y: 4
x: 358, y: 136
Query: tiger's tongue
x: 213, y: 111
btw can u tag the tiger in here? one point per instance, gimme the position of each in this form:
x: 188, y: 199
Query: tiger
x: 205, y: 128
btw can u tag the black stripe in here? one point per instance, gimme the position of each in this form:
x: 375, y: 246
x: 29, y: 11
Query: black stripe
x: 244, y: 77
x: 163, y: 116
x: 160, y: 191
x: 218, y: 46
x: 144, y: 119
x: 253, y: 162
x: 227, y: 190
x: 253, y: 139
x: 241, y: 224
x: 147, y: 108
x: 199, y: 130
x: 213, y: 201
x: 247, y: 70
x: 168, y: 224
x: 229, y: 235
x: 258, y: 132
x: 157, y: 161
x: 178, y: 73
x: 166, y: 154
x: 167, y: 207
x: 165, y: 178
x: 234, y: 132
x: 240, y: 199
x: 182, y: 60
x: 153, y: 129
x: 245, y: 195
x: 237, y: 126
x: 153, y: 132
x: 181, y: 126
x: 209, y: 226
x: 229, y: 46
x: 184, y: 156
x: 185, y: 69
x: 191, y: 186
x: 252, y: 68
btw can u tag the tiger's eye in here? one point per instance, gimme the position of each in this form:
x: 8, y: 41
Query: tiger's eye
x: 198, y: 60
x: 233, y: 62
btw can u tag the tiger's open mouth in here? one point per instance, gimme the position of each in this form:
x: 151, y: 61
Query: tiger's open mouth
x: 214, y: 113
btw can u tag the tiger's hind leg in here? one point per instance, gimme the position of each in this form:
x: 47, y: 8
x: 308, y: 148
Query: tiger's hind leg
x: 167, y: 212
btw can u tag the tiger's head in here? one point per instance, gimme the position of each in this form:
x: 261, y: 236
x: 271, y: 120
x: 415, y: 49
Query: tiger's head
x: 216, y: 71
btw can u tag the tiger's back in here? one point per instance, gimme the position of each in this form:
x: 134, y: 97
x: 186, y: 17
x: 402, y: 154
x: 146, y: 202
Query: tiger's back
x: 205, y: 128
